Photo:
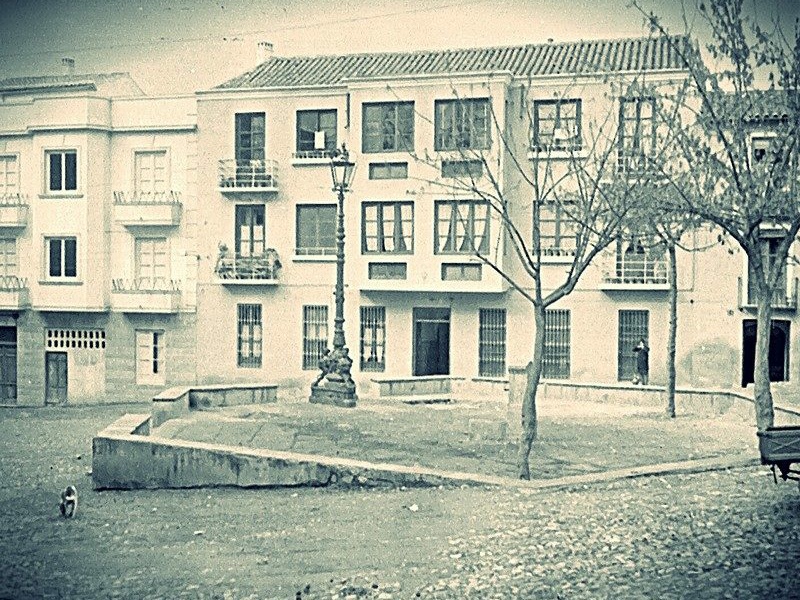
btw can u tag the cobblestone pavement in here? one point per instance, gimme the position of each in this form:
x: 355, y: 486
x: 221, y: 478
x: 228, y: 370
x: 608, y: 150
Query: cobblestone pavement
x: 729, y: 534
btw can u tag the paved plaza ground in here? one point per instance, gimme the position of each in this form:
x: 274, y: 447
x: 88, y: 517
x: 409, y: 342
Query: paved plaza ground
x: 724, y: 534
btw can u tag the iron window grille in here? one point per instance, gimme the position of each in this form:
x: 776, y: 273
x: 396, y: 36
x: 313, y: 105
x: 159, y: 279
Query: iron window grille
x: 373, y: 338
x: 315, y: 335
x: 492, y: 342
x: 249, y: 337
x: 633, y: 326
x: 556, y: 362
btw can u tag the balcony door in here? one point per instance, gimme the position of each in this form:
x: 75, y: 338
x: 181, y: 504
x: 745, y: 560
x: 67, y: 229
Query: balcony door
x: 152, y: 266
x: 250, y: 234
x: 431, y: 341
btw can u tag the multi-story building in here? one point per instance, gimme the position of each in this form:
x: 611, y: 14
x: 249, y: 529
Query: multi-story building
x: 97, y: 230
x: 177, y: 240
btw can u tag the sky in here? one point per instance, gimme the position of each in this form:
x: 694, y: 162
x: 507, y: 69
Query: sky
x: 180, y: 46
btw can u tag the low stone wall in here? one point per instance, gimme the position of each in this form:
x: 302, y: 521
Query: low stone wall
x: 698, y: 402
x: 178, y: 401
x: 125, y: 459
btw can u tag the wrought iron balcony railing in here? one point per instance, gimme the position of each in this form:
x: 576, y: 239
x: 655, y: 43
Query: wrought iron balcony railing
x: 13, y: 200
x: 234, y: 267
x: 12, y: 283
x: 637, y: 269
x: 134, y: 197
x: 146, y: 285
x: 248, y: 175
x: 784, y: 298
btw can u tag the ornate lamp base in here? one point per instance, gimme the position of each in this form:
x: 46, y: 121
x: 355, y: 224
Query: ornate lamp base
x: 336, y: 393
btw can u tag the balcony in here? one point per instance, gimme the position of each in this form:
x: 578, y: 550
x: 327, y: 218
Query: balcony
x: 782, y: 299
x: 13, y: 293
x: 13, y: 211
x: 147, y: 208
x: 311, y: 157
x: 234, y: 269
x: 636, y: 271
x: 248, y: 176
x: 145, y: 295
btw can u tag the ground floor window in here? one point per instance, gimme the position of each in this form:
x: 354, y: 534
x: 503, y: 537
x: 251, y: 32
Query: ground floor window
x: 778, y: 351
x: 315, y: 335
x: 150, y: 357
x: 249, y: 335
x: 373, y: 338
x: 492, y: 342
x: 556, y: 363
x: 633, y: 327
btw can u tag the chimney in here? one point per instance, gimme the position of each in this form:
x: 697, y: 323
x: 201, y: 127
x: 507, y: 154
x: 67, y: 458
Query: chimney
x: 68, y: 66
x: 265, y: 51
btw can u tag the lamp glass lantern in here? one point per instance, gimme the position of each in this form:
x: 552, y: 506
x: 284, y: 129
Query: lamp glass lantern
x: 342, y: 169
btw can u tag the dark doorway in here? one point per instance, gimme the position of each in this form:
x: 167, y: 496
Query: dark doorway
x: 778, y: 351
x: 8, y: 365
x: 431, y: 341
x: 56, y: 377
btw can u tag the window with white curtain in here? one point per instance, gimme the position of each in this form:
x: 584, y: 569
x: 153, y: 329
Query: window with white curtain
x: 462, y: 226
x: 387, y: 227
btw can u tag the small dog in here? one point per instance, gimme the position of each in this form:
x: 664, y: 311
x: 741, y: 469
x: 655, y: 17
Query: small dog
x: 69, y: 502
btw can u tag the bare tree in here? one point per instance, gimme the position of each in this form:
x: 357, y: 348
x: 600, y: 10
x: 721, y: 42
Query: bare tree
x: 731, y: 153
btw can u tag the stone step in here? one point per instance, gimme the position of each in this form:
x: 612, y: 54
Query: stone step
x: 424, y: 399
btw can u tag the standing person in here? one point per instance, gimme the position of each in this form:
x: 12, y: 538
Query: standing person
x: 642, y: 362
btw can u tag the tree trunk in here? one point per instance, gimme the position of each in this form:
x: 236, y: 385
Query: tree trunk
x: 534, y: 374
x: 765, y: 415
x: 673, y: 329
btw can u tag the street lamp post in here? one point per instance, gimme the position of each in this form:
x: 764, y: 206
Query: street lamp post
x: 334, y: 384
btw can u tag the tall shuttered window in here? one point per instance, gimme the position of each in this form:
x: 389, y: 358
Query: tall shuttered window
x: 556, y: 363
x: 249, y: 338
x: 315, y: 335
x: 492, y: 342
x: 633, y: 326
x: 150, y: 357
x: 373, y: 338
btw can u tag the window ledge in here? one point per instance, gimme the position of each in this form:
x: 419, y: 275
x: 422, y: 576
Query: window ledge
x: 534, y: 154
x: 314, y: 258
x: 60, y: 282
x: 56, y: 195
x: 557, y: 259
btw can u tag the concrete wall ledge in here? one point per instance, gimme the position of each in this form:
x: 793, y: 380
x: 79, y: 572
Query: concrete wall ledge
x: 178, y: 401
x: 121, y: 460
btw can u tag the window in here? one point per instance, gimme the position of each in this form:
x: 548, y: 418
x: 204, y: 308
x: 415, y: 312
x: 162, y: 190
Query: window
x: 250, y: 141
x: 388, y: 270
x: 8, y: 258
x: 316, y: 229
x: 315, y: 335
x: 492, y: 342
x: 150, y: 357
x: 152, y: 267
x: 250, y: 232
x: 760, y: 147
x: 388, y: 170
x: 557, y: 124
x: 462, y: 124
x: 9, y: 176
x: 373, y: 338
x: 462, y: 227
x: 388, y: 127
x: 150, y: 169
x: 769, y: 257
x: 556, y: 363
x: 472, y: 169
x: 62, y: 257
x: 316, y: 133
x: 62, y: 170
x: 557, y: 229
x: 249, y: 335
x: 637, y: 128
x: 387, y: 227
x: 636, y: 263
x: 460, y: 272
x: 633, y: 326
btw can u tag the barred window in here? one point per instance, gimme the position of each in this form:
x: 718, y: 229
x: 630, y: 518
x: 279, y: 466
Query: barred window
x: 492, y: 342
x: 315, y: 335
x: 373, y: 338
x: 633, y: 326
x: 249, y: 335
x: 556, y: 363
